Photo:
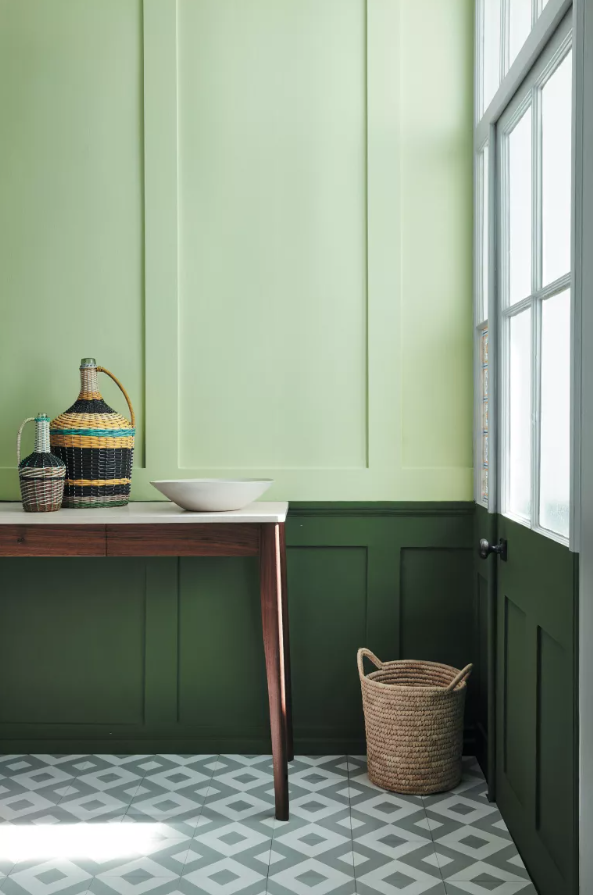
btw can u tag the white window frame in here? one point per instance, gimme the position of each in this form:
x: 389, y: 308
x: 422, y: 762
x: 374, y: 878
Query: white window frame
x: 537, y: 8
x: 528, y: 96
x: 546, y: 24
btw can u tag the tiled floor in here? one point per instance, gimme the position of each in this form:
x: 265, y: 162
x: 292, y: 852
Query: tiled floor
x: 183, y: 825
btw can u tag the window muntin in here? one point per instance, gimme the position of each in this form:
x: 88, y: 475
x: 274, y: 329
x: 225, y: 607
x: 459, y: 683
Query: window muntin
x: 535, y: 310
x: 504, y: 26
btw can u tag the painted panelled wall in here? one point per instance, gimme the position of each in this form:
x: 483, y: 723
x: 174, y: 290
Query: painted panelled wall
x: 257, y: 214
x: 166, y: 654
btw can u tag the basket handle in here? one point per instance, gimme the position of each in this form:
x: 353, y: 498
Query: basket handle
x: 465, y: 672
x: 124, y: 392
x: 30, y: 419
x: 360, y: 656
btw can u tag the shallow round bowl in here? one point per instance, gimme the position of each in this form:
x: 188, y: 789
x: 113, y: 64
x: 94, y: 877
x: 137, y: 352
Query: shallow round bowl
x: 212, y: 495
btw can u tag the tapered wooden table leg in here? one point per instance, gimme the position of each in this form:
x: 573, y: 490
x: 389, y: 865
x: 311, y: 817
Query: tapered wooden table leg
x: 272, y: 617
x: 286, y: 639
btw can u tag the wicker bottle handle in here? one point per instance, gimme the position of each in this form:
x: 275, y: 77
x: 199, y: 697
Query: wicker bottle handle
x: 465, y: 672
x: 30, y: 419
x: 123, y: 391
x: 360, y: 656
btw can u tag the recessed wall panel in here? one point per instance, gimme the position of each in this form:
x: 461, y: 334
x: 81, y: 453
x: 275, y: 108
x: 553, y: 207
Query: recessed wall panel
x: 71, y: 206
x: 555, y: 785
x: 72, y: 641
x: 272, y: 234
x: 436, y: 606
x: 517, y: 699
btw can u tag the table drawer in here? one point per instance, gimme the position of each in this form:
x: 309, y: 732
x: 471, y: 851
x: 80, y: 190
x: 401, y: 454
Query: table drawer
x: 172, y: 539
x: 52, y: 540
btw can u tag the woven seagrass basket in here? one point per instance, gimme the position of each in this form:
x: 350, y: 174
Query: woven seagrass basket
x: 96, y: 444
x: 413, y: 714
x: 41, y: 474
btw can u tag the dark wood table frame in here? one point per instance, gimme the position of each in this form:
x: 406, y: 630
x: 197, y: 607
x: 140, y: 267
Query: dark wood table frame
x: 263, y: 539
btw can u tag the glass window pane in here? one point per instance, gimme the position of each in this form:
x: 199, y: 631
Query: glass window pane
x: 519, y: 26
x: 491, y: 49
x: 519, y: 201
x: 484, y: 415
x: 556, y: 171
x: 519, y: 459
x: 484, y: 247
x: 555, y: 414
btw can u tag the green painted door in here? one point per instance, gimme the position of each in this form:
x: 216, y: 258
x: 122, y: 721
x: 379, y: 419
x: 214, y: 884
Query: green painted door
x: 528, y: 370
x: 536, y: 713
x: 484, y: 673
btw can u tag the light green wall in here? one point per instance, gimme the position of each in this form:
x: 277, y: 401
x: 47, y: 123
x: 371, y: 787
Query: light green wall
x: 256, y: 213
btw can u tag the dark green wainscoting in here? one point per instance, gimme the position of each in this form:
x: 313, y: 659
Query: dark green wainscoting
x: 165, y: 655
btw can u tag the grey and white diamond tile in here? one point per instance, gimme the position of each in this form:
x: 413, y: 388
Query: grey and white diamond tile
x: 386, y: 808
x: 31, y: 808
x: 172, y: 790
x: 469, y: 847
x: 11, y: 765
x: 189, y: 825
x: 310, y: 876
x: 99, y: 797
x: 247, y: 842
x: 411, y: 862
x: 226, y: 876
x: 487, y: 888
x: 454, y: 864
x: 55, y: 875
x: 29, y: 789
x: 407, y: 873
x: 138, y: 877
x: 372, y: 808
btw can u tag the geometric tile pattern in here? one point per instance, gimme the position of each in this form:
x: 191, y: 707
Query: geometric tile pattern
x: 204, y: 825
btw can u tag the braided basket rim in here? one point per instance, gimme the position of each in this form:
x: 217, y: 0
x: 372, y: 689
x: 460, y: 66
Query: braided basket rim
x: 371, y: 678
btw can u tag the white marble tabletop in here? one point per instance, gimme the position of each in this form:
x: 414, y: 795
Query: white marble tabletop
x: 157, y: 512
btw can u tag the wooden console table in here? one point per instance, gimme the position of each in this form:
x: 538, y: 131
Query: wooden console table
x: 162, y: 529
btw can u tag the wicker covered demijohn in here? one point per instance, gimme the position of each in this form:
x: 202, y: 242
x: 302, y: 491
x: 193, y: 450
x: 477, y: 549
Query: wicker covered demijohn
x: 96, y: 444
x: 413, y: 714
x: 41, y: 474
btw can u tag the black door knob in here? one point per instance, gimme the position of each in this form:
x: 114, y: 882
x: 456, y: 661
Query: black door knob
x: 486, y: 548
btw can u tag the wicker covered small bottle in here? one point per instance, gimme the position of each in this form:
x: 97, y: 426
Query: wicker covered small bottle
x: 41, y: 474
x: 96, y: 444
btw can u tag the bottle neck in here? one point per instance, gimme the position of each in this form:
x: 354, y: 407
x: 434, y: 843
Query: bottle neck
x: 42, y: 436
x: 89, y: 386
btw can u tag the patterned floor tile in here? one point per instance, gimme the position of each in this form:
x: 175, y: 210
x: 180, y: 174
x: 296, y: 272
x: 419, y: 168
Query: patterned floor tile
x: 87, y: 803
x: 408, y: 873
x: 99, y: 849
x: 484, y: 888
x: 204, y: 825
x: 463, y: 851
x: 47, y: 878
x: 136, y: 878
x: 226, y: 876
x: 310, y: 876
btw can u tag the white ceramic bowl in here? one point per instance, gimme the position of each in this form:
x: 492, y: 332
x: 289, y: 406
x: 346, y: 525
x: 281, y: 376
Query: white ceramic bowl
x: 212, y: 495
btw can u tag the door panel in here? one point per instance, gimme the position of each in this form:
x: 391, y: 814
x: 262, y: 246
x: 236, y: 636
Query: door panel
x: 536, y: 692
x: 484, y: 649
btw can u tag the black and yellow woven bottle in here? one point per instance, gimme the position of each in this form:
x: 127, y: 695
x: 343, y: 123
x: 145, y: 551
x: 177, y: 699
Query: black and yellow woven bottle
x: 96, y: 444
